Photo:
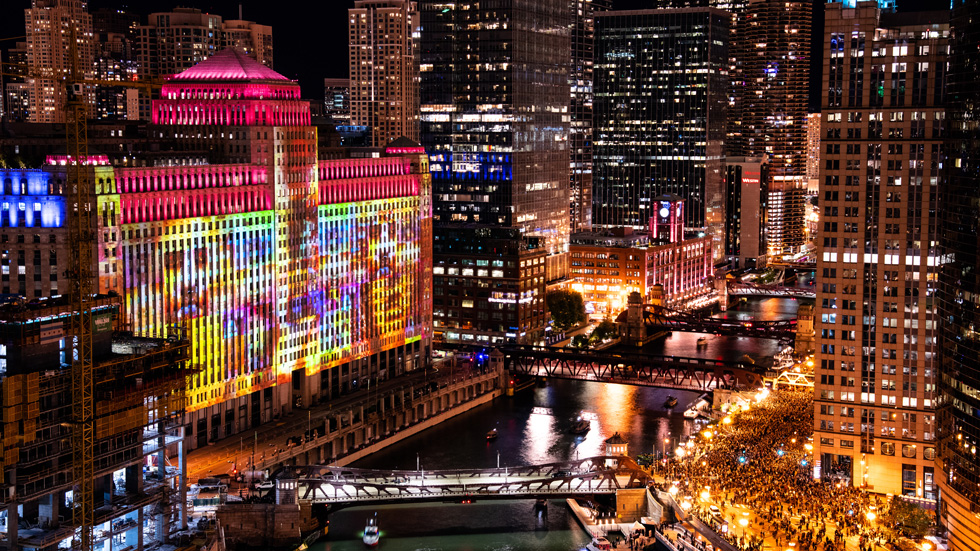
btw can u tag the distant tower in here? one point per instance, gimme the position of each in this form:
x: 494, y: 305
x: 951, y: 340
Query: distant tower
x: 659, y: 118
x: 384, y: 68
x: 580, y: 136
x: 772, y: 96
x: 50, y: 26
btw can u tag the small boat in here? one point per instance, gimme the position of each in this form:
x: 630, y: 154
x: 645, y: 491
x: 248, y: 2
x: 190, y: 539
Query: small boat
x: 671, y: 402
x: 703, y: 341
x: 581, y: 426
x: 371, y: 532
x: 599, y: 543
x: 492, y: 434
x: 692, y: 413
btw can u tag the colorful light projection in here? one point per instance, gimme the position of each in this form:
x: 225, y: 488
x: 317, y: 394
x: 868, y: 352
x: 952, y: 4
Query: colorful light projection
x: 29, y: 199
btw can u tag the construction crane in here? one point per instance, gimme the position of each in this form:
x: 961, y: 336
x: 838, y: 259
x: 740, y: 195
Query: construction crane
x: 82, y: 285
x: 81, y: 241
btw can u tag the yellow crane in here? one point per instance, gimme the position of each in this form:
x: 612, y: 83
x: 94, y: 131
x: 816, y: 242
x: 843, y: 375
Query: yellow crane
x: 82, y: 286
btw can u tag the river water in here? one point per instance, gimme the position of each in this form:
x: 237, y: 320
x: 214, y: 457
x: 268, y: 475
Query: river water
x: 533, y: 428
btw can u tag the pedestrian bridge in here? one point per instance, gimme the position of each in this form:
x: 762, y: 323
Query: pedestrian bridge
x: 696, y: 374
x: 346, y: 486
x: 760, y: 290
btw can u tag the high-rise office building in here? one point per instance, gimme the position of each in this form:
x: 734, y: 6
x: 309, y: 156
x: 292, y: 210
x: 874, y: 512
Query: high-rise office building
x: 172, y: 41
x: 878, y: 257
x: 958, y: 411
x: 384, y: 68
x: 50, y: 27
x: 659, y: 116
x: 336, y: 100
x: 746, y: 199
x: 17, y: 91
x: 115, y: 38
x: 769, y: 97
x: 580, y: 82
x: 253, y: 39
x: 495, y: 102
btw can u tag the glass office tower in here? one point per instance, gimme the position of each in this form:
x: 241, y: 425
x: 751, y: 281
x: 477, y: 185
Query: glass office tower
x: 959, y: 290
x: 495, y: 119
x: 659, y: 116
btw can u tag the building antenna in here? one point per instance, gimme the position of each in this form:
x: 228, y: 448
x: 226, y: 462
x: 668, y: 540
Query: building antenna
x: 239, y: 10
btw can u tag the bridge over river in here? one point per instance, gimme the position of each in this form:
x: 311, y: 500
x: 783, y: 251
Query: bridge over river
x: 346, y: 486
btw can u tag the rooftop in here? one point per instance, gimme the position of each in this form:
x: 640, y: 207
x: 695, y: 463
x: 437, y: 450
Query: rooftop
x: 229, y: 64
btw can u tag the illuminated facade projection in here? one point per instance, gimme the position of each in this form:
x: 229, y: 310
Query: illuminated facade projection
x: 280, y: 268
x: 296, y: 280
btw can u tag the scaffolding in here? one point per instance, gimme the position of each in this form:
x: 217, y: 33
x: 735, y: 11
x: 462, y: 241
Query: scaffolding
x: 138, y: 399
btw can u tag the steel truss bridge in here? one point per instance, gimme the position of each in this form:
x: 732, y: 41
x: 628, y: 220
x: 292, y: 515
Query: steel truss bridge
x: 741, y: 288
x: 662, y: 318
x: 700, y: 374
x: 346, y: 486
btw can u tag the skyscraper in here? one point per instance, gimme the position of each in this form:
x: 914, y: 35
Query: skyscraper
x: 495, y: 102
x: 659, y: 110
x: 50, y: 26
x: 878, y: 258
x: 770, y: 99
x: 172, y: 41
x: 384, y: 66
x: 336, y: 100
x: 580, y: 81
x: 959, y: 289
x: 115, y: 37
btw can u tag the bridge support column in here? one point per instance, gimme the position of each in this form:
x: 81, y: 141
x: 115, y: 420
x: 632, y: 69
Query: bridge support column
x: 721, y: 286
x: 805, y: 334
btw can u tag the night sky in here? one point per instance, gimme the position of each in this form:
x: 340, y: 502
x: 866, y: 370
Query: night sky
x: 310, y: 38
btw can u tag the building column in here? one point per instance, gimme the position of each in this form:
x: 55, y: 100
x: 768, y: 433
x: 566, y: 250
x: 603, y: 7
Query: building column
x: 13, y: 520
x: 49, y: 509
x: 139, y: 527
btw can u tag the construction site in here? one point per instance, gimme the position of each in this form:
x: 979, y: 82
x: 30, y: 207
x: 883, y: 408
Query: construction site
x: 137, y: 461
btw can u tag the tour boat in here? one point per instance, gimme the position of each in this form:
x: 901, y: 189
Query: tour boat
x: 692, y: 413
x: 703, y: 341
x: 371, y: 532
x: 581, y: 426
x: 599, y: 543
x: 492, y: 434
x: 671, y: 402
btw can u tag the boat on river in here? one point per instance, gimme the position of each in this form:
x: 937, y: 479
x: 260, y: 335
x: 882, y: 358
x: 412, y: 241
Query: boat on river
x: 599, y: 543
x: 492, y: 434
x: 671, y: 402
x: 581, y: 426
x: 372, y: 534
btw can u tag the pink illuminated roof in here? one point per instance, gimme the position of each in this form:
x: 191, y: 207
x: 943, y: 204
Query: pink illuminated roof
x: 229, y: 64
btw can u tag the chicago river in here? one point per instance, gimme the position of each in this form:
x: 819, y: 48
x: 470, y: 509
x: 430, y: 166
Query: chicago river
x: 533, y: 427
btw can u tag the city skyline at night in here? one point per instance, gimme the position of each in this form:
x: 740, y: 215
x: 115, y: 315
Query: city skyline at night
x: 634, y: 261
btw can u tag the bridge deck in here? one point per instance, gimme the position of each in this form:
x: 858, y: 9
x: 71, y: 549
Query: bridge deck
x: 343, y: 485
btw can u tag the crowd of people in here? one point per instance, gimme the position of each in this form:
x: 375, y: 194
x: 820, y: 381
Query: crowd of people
x: 761, y: 462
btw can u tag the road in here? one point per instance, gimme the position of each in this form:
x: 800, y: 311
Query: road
x: 222, y: 456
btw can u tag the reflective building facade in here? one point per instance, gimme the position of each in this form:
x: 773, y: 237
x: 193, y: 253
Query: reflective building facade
x: 580, y: 81
x: 959, y: 291
x: 659, y: 111
x: 495, y: 118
